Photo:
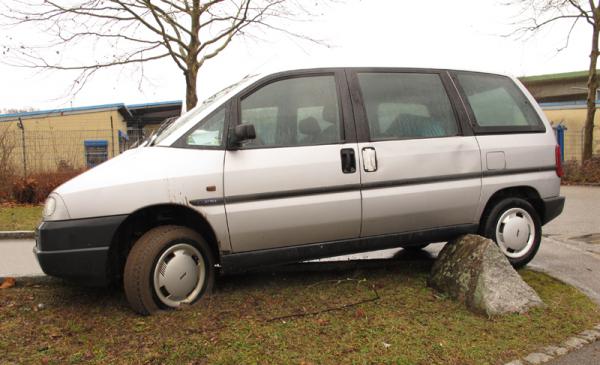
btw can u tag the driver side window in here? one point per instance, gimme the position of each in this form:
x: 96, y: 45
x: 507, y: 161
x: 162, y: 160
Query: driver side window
x: 298, y: 111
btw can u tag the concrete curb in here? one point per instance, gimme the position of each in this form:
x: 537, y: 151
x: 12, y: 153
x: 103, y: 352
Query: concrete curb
x: 7, y: 235
x: 551, y: 352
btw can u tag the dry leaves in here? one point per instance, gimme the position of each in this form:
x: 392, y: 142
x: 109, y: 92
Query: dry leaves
x: 8, y: 283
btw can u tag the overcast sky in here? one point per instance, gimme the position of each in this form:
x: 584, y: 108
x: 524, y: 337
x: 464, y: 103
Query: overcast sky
x: 466, y: 34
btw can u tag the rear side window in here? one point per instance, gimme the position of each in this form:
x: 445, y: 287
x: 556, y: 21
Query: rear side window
x: 298, y: 111
x: 497, y: 102
x: 406, y: 105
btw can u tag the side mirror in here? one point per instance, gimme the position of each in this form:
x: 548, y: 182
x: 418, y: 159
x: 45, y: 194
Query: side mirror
x: 242, y: 133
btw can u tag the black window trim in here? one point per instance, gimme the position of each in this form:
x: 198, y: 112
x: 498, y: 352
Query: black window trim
x: 344, y: 105
x: 460, y: 116
x: 490, y: 130
x: 182, y: 141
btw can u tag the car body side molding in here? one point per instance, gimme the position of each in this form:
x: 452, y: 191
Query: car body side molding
x: 352, y: 187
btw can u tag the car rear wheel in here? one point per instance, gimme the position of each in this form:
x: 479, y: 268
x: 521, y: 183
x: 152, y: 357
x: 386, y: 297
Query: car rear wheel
x: 515, y: 226
x: 415, y: 248
x: 167, y: 267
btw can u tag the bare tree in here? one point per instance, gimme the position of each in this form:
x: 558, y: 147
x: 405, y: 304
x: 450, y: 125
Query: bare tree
x: 134, y: 32
x: 547, y: 12
x: 7, y: 147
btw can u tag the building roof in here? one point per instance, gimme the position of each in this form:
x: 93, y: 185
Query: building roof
x: 127, y: 111
x: 154, y: 105
x: 555, y: 77
x: 152, y: 113
x: 559, y: 87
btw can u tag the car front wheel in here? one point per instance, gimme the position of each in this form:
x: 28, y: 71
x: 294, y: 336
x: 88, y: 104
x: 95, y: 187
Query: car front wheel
x: 167, y: 267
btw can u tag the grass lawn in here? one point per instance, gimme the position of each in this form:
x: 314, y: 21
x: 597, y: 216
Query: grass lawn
x: 20, y: 217
x: 409, y: 323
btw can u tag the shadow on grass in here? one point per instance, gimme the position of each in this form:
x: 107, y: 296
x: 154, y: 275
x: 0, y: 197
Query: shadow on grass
x: 404, y: 262
x: 410, y: 263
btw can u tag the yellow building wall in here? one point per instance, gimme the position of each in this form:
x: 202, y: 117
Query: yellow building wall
x: 150, y: 128
x: 574, y: 120
x: 57, y: 141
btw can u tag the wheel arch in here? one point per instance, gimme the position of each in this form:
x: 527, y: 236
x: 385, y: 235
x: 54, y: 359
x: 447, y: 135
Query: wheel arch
x: 144, y: 219
x: 526, y: 192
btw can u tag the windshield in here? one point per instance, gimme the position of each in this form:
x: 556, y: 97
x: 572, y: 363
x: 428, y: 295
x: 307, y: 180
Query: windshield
x: 193, y: 113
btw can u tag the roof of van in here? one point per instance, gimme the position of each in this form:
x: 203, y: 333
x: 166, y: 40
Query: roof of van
x: 266, y: 71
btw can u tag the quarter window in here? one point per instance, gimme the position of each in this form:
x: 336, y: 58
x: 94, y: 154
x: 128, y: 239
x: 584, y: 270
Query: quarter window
x: 497, y: 102
x: 209, y: 132
x: 406, y: 105
x: 294, y: 112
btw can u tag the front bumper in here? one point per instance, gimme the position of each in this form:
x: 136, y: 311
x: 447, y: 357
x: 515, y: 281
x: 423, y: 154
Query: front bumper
x: 552, y: 208
x: 77, y: 249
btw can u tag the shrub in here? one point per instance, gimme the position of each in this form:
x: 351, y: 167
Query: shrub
x: 586, y: 173
x: 65, y: 167
x: 34, y: 188
x: 25, y: 190
x: 7, y: 171
x: 6, y: 179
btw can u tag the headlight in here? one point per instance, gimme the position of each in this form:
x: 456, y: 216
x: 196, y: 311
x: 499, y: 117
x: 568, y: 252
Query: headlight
x: 49, y: 206
x: 55, y: 208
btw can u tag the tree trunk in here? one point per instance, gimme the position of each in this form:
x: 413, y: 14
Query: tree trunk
x: 588, y: 138
x: 191, y: 62
x: 191, y: 96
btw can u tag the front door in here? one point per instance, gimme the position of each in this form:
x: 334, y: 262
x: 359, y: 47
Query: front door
x: 420, y: 170
x: 298, y: 181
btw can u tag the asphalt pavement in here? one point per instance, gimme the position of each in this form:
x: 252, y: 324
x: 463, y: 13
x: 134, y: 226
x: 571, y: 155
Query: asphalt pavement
x: 588, y: 355
x: 17, y: 258
x: 581, y: 215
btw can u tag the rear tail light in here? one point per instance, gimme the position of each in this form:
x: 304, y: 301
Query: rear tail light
x: 559, y: 167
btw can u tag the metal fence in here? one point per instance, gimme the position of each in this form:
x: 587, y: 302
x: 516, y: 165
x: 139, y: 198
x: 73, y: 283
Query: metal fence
x: 574, y: 144
x: 29, y: 151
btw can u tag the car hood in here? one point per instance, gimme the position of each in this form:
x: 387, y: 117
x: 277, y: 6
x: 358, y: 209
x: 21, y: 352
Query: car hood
x: 117, y: 185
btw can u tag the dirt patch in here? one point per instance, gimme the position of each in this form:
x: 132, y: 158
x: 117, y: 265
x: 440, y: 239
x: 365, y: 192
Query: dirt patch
x: 593, y: 238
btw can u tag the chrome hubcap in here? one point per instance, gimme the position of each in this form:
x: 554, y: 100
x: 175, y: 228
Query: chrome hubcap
x: 515, y: 232
x: 179, y: 275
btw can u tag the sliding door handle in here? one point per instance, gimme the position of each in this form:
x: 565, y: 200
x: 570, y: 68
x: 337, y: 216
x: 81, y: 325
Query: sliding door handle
x: 369, y: 159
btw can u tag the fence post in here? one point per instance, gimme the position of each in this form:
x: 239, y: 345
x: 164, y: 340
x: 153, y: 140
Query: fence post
x: 560, y: 137
x: 22, y: 128
x: 112, y: 136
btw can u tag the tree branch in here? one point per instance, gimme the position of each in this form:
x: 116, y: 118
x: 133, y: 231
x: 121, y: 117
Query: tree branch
x: 125, y: 32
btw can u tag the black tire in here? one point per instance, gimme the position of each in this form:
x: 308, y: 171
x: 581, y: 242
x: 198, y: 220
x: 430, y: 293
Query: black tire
x: 490, y: 222
x: 139, y: 273
x: 413, y: 248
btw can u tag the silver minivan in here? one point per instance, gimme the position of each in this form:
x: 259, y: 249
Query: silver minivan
x: 306, y: 164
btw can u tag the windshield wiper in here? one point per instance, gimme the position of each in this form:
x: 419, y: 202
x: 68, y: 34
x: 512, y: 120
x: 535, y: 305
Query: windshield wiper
x: 159, y: 130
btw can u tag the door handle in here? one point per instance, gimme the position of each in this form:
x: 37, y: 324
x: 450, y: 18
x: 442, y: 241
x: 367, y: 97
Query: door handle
x: 369, y: 159
x: 348, y: 160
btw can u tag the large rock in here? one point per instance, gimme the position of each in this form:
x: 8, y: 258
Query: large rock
x: 473, y: 270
